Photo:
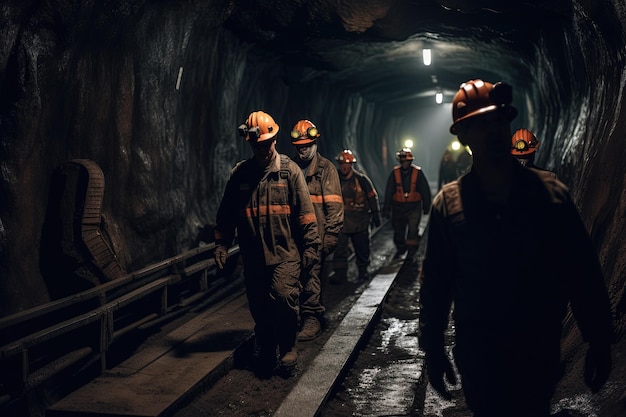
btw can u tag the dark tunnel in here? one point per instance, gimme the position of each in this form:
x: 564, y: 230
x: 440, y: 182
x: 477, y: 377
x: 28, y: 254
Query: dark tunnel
x: 153, y: 92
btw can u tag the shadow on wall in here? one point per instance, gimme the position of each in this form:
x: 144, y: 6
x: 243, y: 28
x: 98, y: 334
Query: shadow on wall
x: 204, y: 236
x: 77, y: 251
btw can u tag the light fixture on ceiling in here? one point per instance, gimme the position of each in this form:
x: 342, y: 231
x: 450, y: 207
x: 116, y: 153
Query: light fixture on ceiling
x: 427, y: 56
x: 439, y: 97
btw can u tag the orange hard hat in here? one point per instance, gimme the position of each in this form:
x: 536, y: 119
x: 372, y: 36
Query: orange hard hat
x: 304, y: 132
x: 405, y: 153
x: 478, y: 97
x: 523, y: 142
x: 346, y: 156
x: 259, y: 127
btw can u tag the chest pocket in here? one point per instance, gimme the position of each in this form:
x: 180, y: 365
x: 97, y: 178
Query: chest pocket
x: 354, y: 198
x: 314, y: 183
x: 279, y: 191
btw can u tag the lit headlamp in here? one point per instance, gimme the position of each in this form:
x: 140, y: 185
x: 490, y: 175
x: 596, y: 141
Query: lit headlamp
x: 311, y: 133
x: 520, y: 145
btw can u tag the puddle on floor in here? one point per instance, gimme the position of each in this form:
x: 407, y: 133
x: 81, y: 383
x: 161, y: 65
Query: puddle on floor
x: 388, y: 386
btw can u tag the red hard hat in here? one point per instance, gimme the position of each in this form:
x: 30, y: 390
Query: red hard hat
x: 523, y: 142
x: 478, y: 97
x: 405, y: 153
x: 259, y: 126
x: 346, y: 156
x: 304, y: 132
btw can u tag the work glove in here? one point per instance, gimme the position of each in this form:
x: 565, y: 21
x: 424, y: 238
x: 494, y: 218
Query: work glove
x: 220, y: 253
x: 438, y: 365
x: 376, y: 219
x: 329, y: 245
x: 597, y: 365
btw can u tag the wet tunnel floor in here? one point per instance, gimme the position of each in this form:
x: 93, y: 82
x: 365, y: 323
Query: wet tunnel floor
x: 386, y: 378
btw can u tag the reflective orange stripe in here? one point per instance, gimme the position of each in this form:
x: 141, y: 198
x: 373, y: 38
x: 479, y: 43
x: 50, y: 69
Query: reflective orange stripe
x: 273, y: 209
x: 308, y: 218
x: 331, y: 198
x: 412, y: 242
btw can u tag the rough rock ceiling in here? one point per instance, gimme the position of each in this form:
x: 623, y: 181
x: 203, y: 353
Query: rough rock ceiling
x: 375, y: 47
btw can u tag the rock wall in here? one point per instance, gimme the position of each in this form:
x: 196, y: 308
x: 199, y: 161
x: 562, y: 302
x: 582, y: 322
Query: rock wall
x: 153, y: 92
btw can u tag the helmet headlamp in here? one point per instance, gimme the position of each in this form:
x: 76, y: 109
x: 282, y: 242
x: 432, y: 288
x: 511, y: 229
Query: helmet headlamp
x: 501, y: 93
x: 520, y: 145
x: 523, y: 142
x: 404, y: 154
x: 252, y: 133
x: 311, y: 133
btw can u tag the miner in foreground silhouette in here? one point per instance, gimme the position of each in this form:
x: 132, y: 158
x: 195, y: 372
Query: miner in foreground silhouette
x: 508, y: 249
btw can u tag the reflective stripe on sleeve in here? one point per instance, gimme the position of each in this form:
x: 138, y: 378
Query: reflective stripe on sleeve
x: 331, y: 198
x: 265, y: 210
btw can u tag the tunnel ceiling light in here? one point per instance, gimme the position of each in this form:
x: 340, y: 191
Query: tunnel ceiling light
x: 439, y: 97
x: 427, y: 56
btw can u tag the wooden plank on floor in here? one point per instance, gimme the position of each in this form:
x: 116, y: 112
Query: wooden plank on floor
x: 150, y: 383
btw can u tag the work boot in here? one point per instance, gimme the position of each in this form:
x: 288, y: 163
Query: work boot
x: 290, y: 358
x: 363, y: 275
x: 411, y: 256
x: 288, y: 364
x: 311, y: 328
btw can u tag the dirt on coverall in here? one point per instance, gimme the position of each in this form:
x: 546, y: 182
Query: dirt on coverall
x: 271, y: 211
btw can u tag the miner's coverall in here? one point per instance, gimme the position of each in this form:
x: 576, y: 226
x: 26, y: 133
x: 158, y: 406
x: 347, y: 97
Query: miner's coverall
x: 360, y: 205
x: 323, y: 183
x: 510, y: 270
x: 271, y: 210
x: 407, y: 196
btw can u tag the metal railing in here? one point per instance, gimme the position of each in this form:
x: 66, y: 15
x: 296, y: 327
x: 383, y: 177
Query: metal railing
x: 77, y: 331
